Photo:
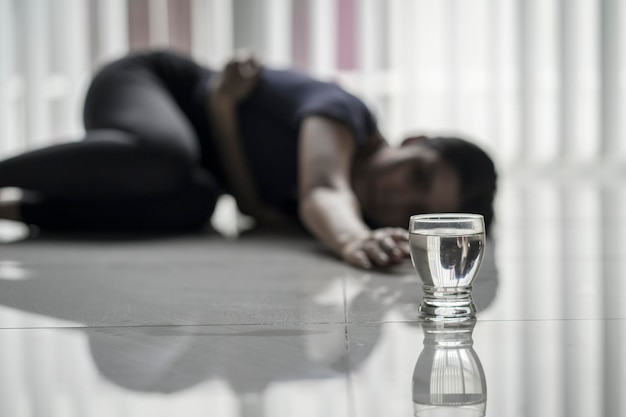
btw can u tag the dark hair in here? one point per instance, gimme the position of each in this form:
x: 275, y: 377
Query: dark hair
x: 476, y: 172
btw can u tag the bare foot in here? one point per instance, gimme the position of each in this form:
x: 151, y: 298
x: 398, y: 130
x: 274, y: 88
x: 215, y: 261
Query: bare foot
x: 12, y: 229
x: 10, y: 210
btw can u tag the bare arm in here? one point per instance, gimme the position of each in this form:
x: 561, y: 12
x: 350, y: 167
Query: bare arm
x: 328, y: 206
x: 228, y: 88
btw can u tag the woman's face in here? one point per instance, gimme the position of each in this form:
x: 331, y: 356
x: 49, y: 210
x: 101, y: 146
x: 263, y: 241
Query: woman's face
x: 411, y: 180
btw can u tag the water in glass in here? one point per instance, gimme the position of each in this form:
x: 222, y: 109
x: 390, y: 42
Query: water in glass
x: 446, y: 251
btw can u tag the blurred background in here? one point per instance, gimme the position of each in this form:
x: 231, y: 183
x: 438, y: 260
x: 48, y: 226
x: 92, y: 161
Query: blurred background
x: 539, y: 83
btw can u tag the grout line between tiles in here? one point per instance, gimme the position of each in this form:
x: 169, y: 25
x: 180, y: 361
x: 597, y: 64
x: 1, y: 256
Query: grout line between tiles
x: 345, y: 323
x: 351, y: 400
x: 140, y: 326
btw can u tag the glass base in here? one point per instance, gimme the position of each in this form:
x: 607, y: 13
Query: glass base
x: 447, y: 303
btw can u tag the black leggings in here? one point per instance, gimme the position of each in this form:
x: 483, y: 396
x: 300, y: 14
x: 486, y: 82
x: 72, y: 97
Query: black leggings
x: 138, y: 167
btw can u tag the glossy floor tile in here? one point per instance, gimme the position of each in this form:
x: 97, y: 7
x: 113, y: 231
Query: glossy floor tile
x: 512, y: 368
x: 171, y: 281
x: 274, y: 326
x: 174, y: 370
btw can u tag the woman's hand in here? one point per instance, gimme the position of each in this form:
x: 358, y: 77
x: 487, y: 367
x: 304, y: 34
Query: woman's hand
x: 381, y: 247
x: 238, y: 78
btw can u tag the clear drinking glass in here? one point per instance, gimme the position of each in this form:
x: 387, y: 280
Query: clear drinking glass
x: 446, y: 251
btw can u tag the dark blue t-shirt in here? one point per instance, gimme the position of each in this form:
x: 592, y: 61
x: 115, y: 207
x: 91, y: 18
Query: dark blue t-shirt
x: 270, y: 119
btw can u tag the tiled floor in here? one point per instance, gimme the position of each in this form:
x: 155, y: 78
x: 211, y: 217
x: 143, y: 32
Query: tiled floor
x: 205, y: 326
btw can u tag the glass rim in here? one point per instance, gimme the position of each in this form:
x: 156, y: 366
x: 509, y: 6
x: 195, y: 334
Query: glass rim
x: 446, y: 217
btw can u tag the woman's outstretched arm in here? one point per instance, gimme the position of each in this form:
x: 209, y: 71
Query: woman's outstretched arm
x: 329, y: 207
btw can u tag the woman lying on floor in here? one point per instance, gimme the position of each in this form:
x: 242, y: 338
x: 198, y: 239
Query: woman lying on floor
x: 165, y: 137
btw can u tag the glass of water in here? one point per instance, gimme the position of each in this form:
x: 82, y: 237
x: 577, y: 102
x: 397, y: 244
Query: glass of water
x: 446, y: 251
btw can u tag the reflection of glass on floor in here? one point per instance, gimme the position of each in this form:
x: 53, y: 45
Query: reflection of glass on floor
x: 449, y: 379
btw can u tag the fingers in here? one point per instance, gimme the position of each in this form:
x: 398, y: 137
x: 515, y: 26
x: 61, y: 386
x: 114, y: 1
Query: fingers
x: 381, y: 248
x: 396, y: 233
x: 405, y: 249
x: 238, y: 78
x: 394, y: 241
x: 401, y: 240
x: 376, y: 253
x: 249, y: 68
x: 359, y: 259
x: 384, y: 252
x: 247, y: 64
x: 391, y: 248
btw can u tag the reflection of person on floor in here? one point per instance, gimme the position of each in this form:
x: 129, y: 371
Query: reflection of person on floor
x: 165, y: 137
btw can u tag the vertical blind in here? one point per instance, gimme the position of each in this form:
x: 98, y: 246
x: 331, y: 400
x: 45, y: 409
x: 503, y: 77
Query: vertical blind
x: 537, y: 82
